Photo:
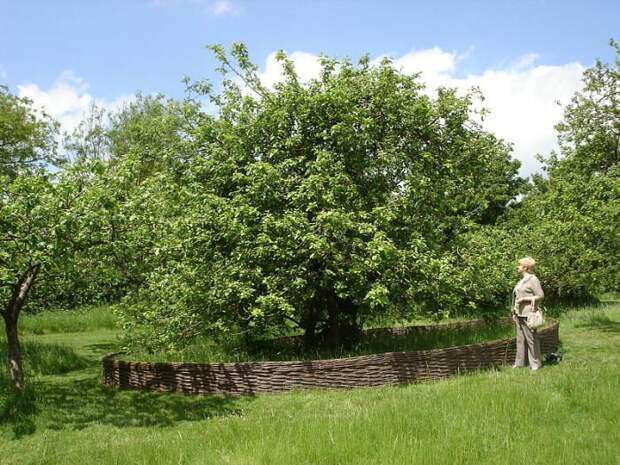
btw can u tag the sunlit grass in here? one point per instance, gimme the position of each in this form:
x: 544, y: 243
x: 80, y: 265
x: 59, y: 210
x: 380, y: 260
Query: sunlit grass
x: 68, y: 321
x: 563, y: 414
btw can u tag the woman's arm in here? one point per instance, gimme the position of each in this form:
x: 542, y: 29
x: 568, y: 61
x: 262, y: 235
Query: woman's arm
x: 537, y: 291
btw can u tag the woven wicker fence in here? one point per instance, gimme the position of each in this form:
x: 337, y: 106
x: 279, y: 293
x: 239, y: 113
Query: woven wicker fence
x: 367, y: 370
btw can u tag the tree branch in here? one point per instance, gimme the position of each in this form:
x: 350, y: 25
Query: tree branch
x: 20, y: 292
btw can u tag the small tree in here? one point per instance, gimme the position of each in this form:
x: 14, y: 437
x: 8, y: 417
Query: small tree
x: 27, y: 216
x: 36, y: 228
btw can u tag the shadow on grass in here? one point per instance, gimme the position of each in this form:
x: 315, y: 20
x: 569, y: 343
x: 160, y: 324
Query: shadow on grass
x: 82, y: 403
x: 17, y: 409
x: 600, y: 323
x: 102, y: 348
x: 46, y: 358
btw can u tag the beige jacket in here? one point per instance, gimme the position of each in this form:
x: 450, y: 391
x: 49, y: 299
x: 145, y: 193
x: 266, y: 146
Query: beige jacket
x: 530, y: 290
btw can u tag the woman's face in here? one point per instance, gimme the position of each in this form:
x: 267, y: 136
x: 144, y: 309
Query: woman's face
x: 521, y: 268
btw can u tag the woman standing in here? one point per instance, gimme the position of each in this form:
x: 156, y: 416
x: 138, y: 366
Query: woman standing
x: 526, y: 298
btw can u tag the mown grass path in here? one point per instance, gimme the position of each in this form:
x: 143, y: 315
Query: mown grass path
x: 564, y: 414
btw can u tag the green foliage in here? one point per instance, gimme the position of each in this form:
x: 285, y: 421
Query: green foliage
x: 207, y: 350
x: 29, y: 216
x: 125, y: 163
x: 49, y: 220
x: 317, y: 205
x: 27, y: 136
x: 571, y: 221
x: 588, y: 135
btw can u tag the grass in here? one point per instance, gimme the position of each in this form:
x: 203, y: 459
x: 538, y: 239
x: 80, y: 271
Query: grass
x: 204, y: 350
x: 68, y: 321
x: 47, y: 359
x: 564, y: 414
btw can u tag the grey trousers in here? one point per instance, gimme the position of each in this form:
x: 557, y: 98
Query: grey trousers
x: 528, y: 345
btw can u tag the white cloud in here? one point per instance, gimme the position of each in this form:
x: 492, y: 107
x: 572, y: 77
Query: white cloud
x: 433, y: 62
x: 522, y: 103
x: 520, y: 95
x: 217, y: 7
x: 222, y: 7
x: 307, y: 67
x: 68, y: 99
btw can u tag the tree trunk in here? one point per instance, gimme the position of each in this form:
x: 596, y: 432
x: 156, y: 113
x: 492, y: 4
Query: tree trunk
x: 11, y: 317
x: 342, y: 329
x: 310, y: 323
x: 16, y: 372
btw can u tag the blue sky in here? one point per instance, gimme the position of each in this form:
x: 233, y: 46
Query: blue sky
x: 66, y: 54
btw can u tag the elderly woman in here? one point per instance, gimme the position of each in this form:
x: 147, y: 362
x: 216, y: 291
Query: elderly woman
x: 527, y: 295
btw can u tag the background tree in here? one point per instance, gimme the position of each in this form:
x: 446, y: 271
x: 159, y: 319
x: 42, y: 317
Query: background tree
x: 46, y: 221
x: 27, y: 135
x: 27, y: 141
x: 38, y: 222
x: 139, y: 151
x: 570, y: 218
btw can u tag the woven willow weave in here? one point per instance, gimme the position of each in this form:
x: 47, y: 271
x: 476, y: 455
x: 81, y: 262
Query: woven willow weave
x: 366, y: 370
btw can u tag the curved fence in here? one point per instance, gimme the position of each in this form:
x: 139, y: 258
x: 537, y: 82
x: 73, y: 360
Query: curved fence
x: 366, y: 370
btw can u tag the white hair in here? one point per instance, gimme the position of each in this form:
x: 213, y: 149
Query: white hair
x: 527, y: 262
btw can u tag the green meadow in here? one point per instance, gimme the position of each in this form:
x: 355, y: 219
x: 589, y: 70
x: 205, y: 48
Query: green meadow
x: 567, y: 413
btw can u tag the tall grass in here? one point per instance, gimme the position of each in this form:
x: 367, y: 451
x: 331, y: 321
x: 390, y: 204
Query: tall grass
x: 563, y: 414
x: 45, y: 359
x: 68, y: 321
x: 209, y: 351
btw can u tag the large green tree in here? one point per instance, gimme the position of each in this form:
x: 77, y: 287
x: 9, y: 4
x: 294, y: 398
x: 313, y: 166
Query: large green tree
x: 320, y: 205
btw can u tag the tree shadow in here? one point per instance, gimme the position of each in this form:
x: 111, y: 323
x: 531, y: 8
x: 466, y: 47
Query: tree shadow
x: 79, y: 404
x: 87, y: 402
x: 600, y: 323
x: 17, y: 409
x: 102, y: 348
